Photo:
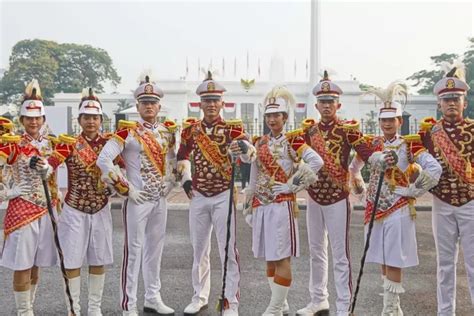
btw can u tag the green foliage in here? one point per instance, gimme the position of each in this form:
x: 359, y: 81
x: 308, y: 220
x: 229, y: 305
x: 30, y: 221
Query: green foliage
x: 365, y: 87
x: 57, y: 67
x: 123, y: 104
x: 425, y: 80
x: 370, y: 124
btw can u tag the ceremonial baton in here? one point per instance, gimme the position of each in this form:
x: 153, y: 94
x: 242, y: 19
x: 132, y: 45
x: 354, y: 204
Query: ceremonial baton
x: 34, y: 160
x: 369, y: 232
x: 229, y: 221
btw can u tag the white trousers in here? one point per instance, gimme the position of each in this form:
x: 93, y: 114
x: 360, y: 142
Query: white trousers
x: 275, y: 232
x: 30, y: 245
x: 145, y: 226
x: 85, y: 238
x: 206, y: 214
x: 393, y: 240
x: 333, y: 221
x: 452, y: 226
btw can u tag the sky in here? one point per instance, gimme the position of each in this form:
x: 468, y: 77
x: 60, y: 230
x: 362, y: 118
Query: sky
x: 374, y: 41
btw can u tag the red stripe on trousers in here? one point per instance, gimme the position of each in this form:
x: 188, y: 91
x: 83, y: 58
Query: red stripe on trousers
x: 348, y: 254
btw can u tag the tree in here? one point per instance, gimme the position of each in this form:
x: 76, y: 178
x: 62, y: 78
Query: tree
x: 371, y: 123
x: 58, y: 67
x: 122, y: 105
x: 426, y: 79
x: 84, y: 66
x: 469, y: 62
x: 365, y: 87
x: 30, y: 60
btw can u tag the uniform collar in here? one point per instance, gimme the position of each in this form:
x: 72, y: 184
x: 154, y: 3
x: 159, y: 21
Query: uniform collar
x: 90, y: 140
x: 148, y: 125
x: 29, y: 138
x: 270, y: 135
x: 327, y: 125
x: 391, y: 140
x: 212, y: 124
x: 452, y: 124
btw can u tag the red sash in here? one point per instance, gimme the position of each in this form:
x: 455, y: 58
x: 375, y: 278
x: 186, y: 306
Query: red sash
x: 451, y: 153
x: 337, y: 173
x: 153, y: 150
x: 86, y: 154
x: 270, y: 164
x: 394, y: 176
x: 381, y: 214
x: 273, y: 169
x: 211, y: 152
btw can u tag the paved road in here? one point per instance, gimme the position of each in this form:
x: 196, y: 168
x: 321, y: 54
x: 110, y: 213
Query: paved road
x: 420, y: 298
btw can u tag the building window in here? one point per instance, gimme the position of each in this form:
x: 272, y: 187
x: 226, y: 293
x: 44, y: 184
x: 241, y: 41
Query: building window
x: 247, y: 115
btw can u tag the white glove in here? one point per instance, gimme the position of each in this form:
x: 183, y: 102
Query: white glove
x: 378, y: 159
x: 115, y: 180
x: 411, y: 191
x: 43, y: 168
x: 302, y: 178
x: 137, y: 196
x: 22, y: 188
x: 425, y: 181
x: 281, y: 188
x: 248, y: 219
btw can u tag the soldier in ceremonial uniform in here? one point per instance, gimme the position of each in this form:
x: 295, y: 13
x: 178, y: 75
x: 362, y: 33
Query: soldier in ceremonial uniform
x: 85, y: 225
x: 328, y: 213
x: 451, y: 141
x: 148, y: 151
x: 285, y: 165
x: 211, y: 141
x: 411, y: 172
x: 29, y: 241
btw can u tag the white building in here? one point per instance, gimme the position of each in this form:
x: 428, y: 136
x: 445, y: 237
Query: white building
x: 180, y: 100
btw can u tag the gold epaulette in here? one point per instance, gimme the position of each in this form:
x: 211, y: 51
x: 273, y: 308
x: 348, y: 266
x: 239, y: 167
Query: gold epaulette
x: 10, y: 138
x: 353, y: 124
x: 53, y: 139
x: 369, y: 137
x: 294, y: 133
x: 189, y: 122
x: 170, y: 125
x: 234, y: 122
x: 66, y: 139
x: 427, y: 123
x: 107, y: 135
x: 126, y: 124
x: 255, y: 139
x: 412, y: 138
x: 307, y: 123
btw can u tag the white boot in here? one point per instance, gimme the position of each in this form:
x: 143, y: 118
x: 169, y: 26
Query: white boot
x: 75, y: 289
x: 22, y: 302
x: 157, y: 306
x: 96, y: 287
x: 391, y: 298
x: 279, y: 294
x: 32, y: 297
x: 286, y: 306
